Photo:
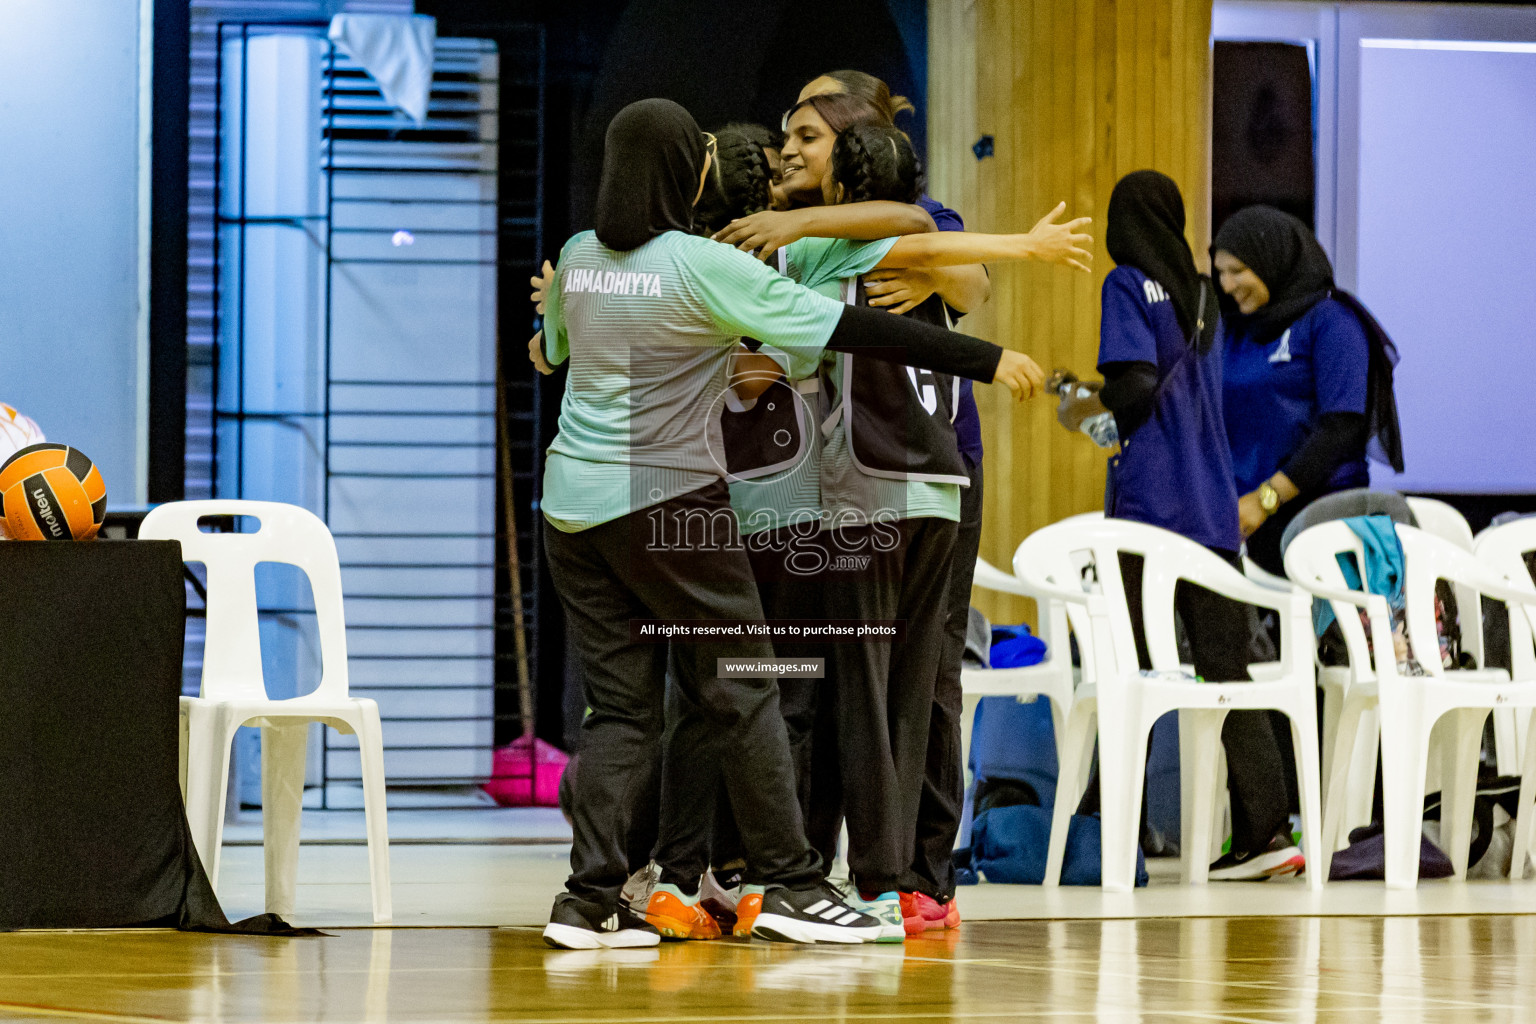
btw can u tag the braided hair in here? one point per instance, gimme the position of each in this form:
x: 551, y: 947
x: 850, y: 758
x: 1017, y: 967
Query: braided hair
x: 876, y: 161
x: 740, y: 181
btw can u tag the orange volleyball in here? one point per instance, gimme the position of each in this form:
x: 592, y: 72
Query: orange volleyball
x: 51, y: 492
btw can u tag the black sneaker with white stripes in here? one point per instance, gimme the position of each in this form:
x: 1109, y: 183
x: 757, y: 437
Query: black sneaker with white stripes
x: 575, y: 923
x: 812, y: 915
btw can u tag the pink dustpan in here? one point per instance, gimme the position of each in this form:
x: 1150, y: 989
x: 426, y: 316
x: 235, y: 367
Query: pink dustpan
x: 526, y: 773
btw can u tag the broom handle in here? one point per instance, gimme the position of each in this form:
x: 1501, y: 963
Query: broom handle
x: 514, y: 566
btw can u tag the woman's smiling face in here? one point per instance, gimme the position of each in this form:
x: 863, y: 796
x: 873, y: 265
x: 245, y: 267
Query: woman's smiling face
x: 1238, y: 280
x: 806, y: 154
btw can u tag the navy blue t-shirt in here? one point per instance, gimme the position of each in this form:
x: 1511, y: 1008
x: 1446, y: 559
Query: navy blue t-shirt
x: 1274, y: 393
x: 967, y: 420
x: 1174, y: 471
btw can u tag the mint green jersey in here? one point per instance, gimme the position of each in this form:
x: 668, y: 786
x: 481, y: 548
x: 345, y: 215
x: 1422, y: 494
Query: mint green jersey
x: 793, y: 495
x: 649, y: 334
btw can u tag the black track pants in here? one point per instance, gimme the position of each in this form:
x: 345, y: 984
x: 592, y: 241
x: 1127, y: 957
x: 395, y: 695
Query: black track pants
x: 614, y: 573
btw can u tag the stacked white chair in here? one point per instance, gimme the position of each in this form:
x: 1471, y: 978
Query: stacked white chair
x: 1409, y: 706
x: 1442, y: 520
x: 1125, y: 704
x: 233, y: 691
x: 1503, y: 549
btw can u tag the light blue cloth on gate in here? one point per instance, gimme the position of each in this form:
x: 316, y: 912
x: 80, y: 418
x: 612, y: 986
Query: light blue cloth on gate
x: 1383, y: 566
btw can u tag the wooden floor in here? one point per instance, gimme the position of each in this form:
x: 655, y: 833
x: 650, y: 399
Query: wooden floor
x: 470, y: 951
x: 1254, y: 969
x: 457, y: 885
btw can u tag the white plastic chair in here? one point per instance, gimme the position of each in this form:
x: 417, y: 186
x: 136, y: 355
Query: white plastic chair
x: 1409, y: 706
x: 1054, y: 677
x: 1333, y: 681
x: 1359, y: 793
x: 1264, y: 577
x: 1051, y: 678
x: 233, y: 692
x: 1442, y: 520
x: 1126, y: 704
x: 1503, y: 549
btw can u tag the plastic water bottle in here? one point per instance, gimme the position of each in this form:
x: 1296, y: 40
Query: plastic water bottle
x: 1100, y: 429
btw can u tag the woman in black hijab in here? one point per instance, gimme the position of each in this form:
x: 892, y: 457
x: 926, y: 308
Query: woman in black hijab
x: 1159, y: 317
x: 1307, y: 376
x: 1145, y: 230
x: 1162, y: 375
x: 649, y: 316
x: 654, y: 160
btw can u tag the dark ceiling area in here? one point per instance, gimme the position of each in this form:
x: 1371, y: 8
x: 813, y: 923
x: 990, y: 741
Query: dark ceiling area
x: 723, y: 61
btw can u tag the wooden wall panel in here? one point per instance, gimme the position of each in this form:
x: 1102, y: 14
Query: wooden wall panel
x: 1075, y: 93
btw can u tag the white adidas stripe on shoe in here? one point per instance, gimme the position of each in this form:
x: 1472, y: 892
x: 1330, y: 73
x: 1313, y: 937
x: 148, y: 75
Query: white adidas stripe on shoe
x: 815, y: 915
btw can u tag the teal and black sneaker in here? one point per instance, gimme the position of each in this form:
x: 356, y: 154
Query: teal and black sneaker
x: 817, y: 914
x: 884, y: 907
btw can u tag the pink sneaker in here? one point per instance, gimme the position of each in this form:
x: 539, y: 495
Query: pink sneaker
x: 922, y: 913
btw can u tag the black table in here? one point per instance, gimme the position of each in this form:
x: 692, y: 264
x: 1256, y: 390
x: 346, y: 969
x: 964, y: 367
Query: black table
x: 93, y: 833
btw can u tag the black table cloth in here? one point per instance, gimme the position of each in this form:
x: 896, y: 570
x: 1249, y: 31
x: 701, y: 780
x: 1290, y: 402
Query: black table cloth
x: 93, y: 833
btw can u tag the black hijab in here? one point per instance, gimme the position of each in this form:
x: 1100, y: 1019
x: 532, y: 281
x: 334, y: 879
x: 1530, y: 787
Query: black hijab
x: 1146, y: 231
x: 653, y: 156
x: 1286, y: 256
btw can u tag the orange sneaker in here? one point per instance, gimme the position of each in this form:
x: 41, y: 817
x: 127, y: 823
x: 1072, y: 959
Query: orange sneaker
x: 747, y: 909
x: 672, y: 913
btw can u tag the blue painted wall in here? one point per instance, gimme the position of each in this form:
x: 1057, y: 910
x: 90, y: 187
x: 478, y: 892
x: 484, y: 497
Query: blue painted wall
x: 69, y: 252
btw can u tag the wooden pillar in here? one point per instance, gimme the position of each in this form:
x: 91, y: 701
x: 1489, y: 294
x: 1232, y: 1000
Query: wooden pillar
x: 1075, y: 94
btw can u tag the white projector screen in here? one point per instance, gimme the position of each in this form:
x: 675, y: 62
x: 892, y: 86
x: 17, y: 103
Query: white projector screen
x: 1447, y: 254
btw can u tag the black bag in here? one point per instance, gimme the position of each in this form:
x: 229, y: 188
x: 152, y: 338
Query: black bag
x: 1501, y: 791
x: 1365, y: 857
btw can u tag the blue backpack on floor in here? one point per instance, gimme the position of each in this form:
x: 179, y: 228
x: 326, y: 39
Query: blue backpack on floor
x: 1013, y: 762
x: 1009, y: 844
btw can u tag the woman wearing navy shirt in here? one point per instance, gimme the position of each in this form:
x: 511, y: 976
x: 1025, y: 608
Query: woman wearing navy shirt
x: 1163, y: 383
x: 1307, y: 376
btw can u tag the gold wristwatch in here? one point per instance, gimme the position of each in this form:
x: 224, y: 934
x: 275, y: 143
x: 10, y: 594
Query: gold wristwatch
x: 1269, y: 498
